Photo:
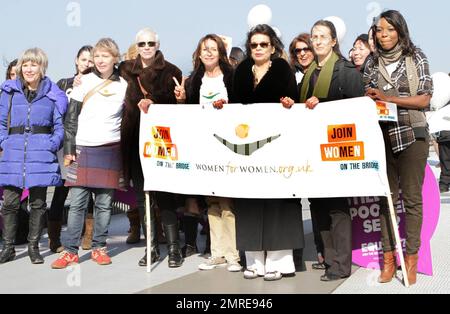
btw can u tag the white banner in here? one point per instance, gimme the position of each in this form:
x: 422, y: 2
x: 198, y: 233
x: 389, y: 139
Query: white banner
x: 265, y: 150
x: 387, y: 111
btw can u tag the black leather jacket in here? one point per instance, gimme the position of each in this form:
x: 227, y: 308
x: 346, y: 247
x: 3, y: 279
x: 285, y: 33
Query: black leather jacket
x: 71, y: 127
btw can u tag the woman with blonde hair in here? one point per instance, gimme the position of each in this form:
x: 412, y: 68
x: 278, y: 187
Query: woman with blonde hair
x: 31, y: 132
x: 92, y: 151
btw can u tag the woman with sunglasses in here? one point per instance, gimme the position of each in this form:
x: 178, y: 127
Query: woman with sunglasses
x: 266, y: 229
x: 301, y: 55
x: 330, y: 77
x: 150, y: 81
x: 92, y: 152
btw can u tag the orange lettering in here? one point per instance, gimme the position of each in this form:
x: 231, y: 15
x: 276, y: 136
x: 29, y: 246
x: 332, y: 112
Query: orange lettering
x: 341, y: 133
x: 342, y: 151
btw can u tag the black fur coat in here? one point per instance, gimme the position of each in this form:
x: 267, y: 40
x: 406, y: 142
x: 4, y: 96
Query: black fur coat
x: 278, y: 82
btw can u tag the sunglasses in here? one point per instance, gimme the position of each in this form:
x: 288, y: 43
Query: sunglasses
x: 263, y: 45
x: 299, y: 50
x: 148, y: 43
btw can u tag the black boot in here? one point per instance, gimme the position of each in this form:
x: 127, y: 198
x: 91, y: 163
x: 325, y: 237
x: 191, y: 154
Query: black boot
x: 175, y: 257
x: 190, y: 226
x: 154, y: 253
x: 36, y: 226
x: 23, y: 222
x: 33, y: 253
x: 9, y: 234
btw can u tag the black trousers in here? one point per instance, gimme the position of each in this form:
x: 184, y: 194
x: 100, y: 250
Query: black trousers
x: 444, y: 159
x: 318, y: 241
x: 167, y: 202
x: 10, y: 211
x: 335, y: 226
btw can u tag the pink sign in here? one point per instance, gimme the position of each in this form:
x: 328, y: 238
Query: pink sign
x: 126, y: 197
x: 367, y: 248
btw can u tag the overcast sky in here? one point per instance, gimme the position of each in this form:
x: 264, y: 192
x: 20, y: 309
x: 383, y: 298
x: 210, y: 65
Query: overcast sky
x: 61, y: 27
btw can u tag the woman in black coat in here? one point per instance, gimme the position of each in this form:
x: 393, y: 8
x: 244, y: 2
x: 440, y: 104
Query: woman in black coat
x: 329, y: 78
x: 150, y: 81
x: 272, y: 226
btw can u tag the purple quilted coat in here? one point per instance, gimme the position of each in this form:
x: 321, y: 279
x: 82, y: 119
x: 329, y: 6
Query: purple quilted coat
x: 29, y: 160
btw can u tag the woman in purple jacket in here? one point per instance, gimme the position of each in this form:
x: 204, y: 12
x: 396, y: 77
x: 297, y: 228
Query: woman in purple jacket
x: 31, y: 132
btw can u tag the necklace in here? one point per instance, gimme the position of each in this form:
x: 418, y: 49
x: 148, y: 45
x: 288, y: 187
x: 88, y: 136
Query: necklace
x: 257, y: 77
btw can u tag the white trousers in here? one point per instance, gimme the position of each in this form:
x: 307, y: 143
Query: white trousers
x: 281, y: 261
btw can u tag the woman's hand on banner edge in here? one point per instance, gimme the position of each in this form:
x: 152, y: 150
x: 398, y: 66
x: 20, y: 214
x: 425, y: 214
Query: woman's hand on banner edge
x: 218, y: 104
x: 144, y: 104
x: 312, y: 102
x: 287, y: 102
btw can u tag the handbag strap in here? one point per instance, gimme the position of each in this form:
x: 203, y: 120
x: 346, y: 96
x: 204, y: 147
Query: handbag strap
x: 95, y: 90
x: 143, y: 90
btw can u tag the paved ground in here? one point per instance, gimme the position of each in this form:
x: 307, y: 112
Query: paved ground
x: 124, y: 276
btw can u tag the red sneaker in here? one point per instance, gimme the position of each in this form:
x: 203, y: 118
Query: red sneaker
x: 100, y: 256
x: 65, y: 259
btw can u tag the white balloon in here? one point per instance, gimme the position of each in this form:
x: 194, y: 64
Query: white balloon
x: 339, y: 24
x: 439, y: 120
x: 260, y: 14
x: 441, y: 94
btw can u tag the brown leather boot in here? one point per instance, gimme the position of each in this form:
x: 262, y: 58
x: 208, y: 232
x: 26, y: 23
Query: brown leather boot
x: 411, y: 268
x: 54, y: 236
x: 135, y: 227
x: 390, y: 267
x: 86, y: 243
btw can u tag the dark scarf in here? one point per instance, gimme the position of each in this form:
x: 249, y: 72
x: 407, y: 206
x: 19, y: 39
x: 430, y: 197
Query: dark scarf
x: 391, y: 56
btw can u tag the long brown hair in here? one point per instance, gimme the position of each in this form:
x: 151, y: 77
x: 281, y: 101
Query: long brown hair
x: 223, y: 58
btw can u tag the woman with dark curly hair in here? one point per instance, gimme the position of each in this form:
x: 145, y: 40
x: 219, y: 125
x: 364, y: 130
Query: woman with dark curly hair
x: 266, y: 229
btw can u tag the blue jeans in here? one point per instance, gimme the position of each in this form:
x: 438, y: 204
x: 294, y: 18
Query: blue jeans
x: 102, y: 216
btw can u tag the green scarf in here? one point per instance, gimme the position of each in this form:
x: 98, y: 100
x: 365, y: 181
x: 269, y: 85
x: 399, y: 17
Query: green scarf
x: 323, y: 82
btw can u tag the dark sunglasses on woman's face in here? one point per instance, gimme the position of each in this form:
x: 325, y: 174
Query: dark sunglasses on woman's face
x: 299, y: 50
x: 263, y: 45
x: 148, y: 43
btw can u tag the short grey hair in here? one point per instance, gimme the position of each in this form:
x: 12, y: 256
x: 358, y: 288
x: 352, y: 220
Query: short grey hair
x: 146, y: 31
x: 35, y: 55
